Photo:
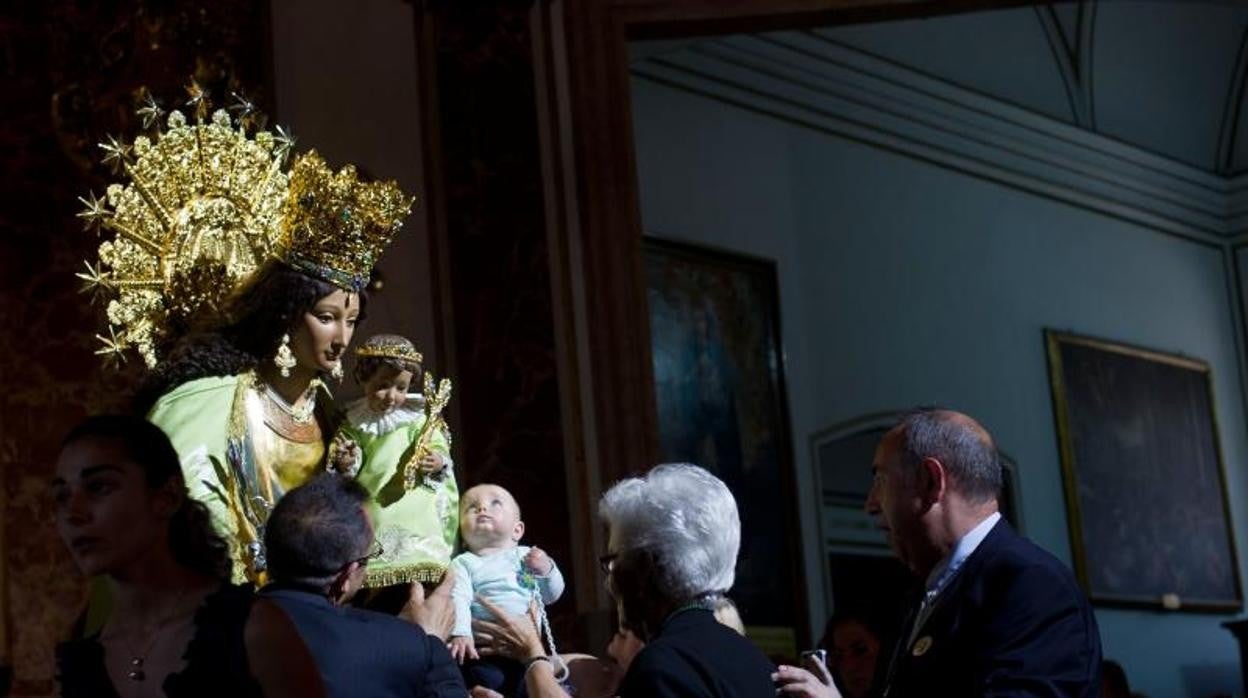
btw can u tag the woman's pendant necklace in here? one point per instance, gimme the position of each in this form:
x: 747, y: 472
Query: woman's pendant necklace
x: 136, y: 672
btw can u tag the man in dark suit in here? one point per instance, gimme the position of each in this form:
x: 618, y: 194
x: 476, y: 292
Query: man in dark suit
x: 318, y: 541
x: 998, y: 615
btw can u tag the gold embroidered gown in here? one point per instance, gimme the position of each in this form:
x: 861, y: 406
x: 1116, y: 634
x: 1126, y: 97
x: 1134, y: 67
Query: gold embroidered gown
x: 240, y: 453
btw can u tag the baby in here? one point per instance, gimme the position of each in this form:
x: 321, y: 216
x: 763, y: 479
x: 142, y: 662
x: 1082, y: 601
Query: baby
x: 415, y: 518
x: 495, y: 567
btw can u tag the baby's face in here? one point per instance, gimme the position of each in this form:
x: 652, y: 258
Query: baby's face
x: 489, y: 517
x: 387, y: 388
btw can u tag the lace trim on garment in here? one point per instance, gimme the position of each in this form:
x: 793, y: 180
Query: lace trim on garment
x: 423, y: 572
x: 377, y: 424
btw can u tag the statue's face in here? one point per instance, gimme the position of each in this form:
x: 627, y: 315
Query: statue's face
x: 106, y: 514
x: 387, y: 388
x: 322, y: 335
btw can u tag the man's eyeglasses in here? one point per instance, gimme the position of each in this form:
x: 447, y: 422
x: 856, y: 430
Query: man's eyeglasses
x: 607, y: 562
x: 373, y: 553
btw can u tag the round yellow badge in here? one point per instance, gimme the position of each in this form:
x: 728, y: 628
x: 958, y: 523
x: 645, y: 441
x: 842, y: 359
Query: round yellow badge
x: 922, y: 645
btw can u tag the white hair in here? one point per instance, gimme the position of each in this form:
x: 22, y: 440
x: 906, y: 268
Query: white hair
x: 686, y: 518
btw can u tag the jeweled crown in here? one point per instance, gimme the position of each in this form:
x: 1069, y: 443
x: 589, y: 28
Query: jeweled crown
x: 389, y: 346
x: 335, y: 226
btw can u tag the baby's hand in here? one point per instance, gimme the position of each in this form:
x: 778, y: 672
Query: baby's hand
x: 538, y: 562
x: 345, y: 458
x: 432, y: 463
x: 462, y: 647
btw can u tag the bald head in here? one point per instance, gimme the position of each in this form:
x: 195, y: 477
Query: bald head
x: 962, y: 445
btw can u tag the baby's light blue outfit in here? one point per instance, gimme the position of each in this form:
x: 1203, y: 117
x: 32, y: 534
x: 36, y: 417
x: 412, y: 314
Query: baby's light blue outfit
x: 500, y: 578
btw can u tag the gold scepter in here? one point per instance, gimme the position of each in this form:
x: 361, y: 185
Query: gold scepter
x: 435, y: 402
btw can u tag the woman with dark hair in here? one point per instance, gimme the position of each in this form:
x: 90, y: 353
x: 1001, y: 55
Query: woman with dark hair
x: 853, y: 647
x: 178, y: 627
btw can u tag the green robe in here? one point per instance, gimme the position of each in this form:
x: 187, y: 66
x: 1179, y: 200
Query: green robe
x: 416, y: 528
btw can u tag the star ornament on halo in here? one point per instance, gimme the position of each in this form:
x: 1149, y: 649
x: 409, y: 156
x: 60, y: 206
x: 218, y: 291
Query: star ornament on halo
x: 114, y: 349
x: 150, y: 112
x: 197, y: 99
x: 283, y: 143
x: 116, y: 154
x: 246, y: 115
x: 242, y: 107
x: 95, y: 213
x: 94, y: 281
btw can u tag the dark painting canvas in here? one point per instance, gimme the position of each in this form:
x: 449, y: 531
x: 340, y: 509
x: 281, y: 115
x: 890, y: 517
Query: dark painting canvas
x: 720, y: 389
x: 1144, y: 477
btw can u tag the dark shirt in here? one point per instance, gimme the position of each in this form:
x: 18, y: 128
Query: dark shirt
x: 216, y: 657
x: 1012, y: 622
x: 364, y: 653
x: 695, y: 655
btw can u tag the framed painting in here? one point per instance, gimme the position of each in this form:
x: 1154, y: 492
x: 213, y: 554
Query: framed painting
x: 719, y: 384
x: 1145, y: 483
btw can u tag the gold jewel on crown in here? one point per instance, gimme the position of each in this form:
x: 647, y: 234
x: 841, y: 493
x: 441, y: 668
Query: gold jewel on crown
x: 203, y: 205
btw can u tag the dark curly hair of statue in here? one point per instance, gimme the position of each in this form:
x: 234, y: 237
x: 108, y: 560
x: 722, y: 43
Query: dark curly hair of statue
x: 194, y: 542
x: 247, y: 333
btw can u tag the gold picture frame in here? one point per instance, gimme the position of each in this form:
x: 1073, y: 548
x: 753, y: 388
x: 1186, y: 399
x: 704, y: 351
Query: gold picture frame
x: 1144, y: 476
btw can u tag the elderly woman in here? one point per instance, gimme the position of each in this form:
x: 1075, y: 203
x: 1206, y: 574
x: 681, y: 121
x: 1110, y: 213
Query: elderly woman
x: 672, y: 544
x: 673, y: 538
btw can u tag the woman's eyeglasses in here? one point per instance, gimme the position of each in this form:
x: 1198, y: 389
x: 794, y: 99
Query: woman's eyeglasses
x: 606, y: 562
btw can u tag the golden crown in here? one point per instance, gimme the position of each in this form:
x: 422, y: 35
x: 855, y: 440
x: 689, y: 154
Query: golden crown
x: 389, y: 346
x: 205, y: 205
x: 334, y: 226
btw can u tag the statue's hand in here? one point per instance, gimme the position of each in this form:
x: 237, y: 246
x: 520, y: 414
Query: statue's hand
x: 345, y: 457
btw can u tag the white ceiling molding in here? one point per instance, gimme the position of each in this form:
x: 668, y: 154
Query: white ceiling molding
x: 817, y: 83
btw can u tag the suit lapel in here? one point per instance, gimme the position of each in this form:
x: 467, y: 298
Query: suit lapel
x: 969, y: 570
x: 937, y: 618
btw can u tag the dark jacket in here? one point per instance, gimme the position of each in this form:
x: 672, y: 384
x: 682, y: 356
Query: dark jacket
x: 695, y: 655
x: 364, y: 653
x: 1012, y: 622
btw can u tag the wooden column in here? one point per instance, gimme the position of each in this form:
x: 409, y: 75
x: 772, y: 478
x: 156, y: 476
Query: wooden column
x: 500, y: 333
